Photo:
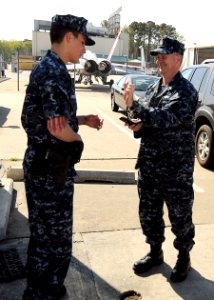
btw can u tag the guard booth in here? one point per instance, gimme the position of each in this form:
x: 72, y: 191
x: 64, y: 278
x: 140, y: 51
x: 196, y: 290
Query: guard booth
x: 26, y: 62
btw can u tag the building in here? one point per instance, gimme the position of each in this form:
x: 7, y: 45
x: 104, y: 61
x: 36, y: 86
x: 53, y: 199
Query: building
x: 197, y: 54
x: 103, y: 37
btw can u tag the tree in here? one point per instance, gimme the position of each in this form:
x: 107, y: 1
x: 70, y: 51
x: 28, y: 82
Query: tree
x: 9, y: 48
x: 147, y: 35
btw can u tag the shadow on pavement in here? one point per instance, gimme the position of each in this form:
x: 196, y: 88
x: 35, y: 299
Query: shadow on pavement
x: 95, y: 88
x: 4, y: 111
x: 4, y: 79
x: 199, y: 289
x: 81, y: 282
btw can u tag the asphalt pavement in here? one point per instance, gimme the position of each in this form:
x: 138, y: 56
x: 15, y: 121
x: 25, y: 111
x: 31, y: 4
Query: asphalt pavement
x: 107, y: 237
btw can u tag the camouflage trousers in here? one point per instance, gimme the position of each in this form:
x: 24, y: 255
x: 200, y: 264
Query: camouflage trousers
x: 50, y: 221
x: 177, y: 193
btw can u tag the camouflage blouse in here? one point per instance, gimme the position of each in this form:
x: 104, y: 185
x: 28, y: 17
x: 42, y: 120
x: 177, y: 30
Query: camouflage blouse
x: 50, y: 93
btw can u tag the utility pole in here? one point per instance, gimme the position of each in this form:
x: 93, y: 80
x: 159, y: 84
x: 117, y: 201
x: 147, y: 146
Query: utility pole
x: 18, y: 67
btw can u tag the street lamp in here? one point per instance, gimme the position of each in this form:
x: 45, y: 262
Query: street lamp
x: 1, y: 61
x: 195, y: 54
x: 126, y: 59
x: 18, y: 67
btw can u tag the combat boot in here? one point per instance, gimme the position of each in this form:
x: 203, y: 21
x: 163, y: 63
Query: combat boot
x: 182, y: 267
x: 153, y: 258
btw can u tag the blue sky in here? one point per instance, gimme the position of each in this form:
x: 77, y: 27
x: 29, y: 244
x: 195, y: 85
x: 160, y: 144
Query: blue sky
x: 17, y: 17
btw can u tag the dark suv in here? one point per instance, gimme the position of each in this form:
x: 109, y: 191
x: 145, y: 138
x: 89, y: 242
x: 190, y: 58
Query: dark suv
x: 202, y: 77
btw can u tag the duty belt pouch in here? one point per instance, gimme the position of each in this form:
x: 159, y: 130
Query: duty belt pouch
x: 62, y: 157
x: 60, y: 164
x: 39, y: 166
x: 74, y: 151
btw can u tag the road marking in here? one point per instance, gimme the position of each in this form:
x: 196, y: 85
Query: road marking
x: 197, y: 188
x: 121, y: 128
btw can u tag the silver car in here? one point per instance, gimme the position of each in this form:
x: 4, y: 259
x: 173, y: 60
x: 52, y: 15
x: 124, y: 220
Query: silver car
x: 141, y: 82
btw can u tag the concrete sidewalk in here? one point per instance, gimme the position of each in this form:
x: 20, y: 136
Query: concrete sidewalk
x: 107, y: 240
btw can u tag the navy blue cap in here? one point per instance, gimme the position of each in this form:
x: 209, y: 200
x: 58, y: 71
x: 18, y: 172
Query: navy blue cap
x: 73, y: 23
x: 168, y: 46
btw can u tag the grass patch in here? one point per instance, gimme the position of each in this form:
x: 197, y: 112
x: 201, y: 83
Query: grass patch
x: 13, y: 159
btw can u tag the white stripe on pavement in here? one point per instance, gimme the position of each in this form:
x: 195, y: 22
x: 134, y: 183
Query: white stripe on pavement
x: 197, y: 188
x: 130, y: 134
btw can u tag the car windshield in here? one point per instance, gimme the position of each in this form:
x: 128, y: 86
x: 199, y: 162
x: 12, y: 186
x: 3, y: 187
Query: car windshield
x: 142, y: 83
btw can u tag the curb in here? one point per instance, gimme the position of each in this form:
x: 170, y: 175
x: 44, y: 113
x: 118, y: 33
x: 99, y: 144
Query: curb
x: 6, y: 193
x: 120, y: 177
x: 2, y: 79
x: 17, y: 174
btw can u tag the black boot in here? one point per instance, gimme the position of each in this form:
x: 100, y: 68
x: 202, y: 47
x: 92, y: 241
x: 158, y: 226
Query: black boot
x: 153, y: 258
x: 182, y: 267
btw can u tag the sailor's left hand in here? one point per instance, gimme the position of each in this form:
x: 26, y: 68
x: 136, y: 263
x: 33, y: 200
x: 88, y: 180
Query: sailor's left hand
x: 135, y: 127
x: 94, y: 121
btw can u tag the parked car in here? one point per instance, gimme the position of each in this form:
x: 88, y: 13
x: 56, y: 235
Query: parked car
x: 202, y: 77
x: 118, y: 69
x: 208, y: 61
x: 141, y: 81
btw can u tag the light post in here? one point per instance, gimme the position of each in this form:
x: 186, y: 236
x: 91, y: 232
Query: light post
x: 126, y: 58
x: 18, y: 67
x: 195, y: 54
x: 1, y: 167
x: 1, y: 61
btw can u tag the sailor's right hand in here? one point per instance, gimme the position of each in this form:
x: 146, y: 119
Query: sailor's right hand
x: 57, y: 123
x: 59, y: 128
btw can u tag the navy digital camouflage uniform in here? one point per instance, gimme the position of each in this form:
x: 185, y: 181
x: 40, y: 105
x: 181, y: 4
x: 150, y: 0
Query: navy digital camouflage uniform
x: 165, y: 161
x: 50, y: 93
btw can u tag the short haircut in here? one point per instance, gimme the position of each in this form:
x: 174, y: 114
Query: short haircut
x: 57, y: 33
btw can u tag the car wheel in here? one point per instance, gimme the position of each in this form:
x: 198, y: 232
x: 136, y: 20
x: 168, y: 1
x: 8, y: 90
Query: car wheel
x: 114, y: 106
x: 204, y: 146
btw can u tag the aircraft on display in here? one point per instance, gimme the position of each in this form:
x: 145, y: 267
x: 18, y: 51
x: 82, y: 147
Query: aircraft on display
x: 90, y: 65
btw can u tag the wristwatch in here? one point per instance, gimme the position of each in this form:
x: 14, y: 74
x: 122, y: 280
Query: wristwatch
x: 131, y: 111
